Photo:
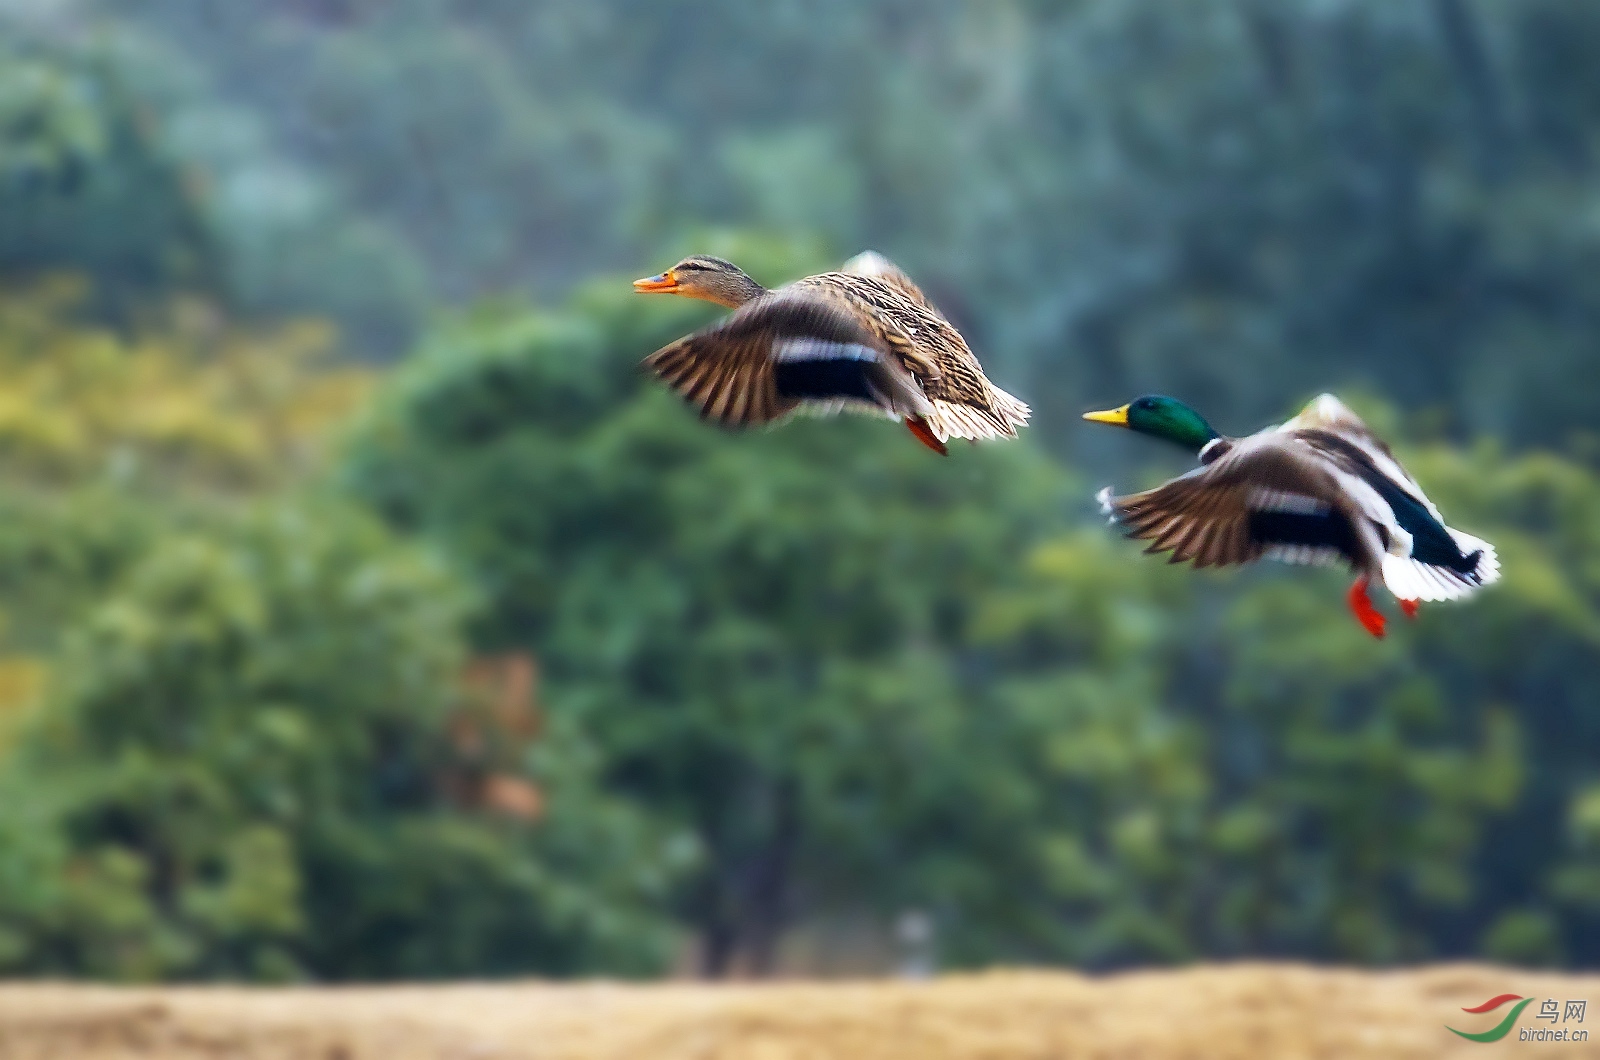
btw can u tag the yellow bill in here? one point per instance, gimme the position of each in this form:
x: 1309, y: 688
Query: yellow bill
x: 1115, y: 417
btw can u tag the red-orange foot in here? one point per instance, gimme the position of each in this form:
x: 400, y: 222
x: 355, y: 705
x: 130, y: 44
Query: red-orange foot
x: 919, y: 427
x: 1369, y: 617
x: 1410, y: 607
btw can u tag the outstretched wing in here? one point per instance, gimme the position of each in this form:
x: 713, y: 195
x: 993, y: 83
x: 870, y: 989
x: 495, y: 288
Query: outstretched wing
x: 1263, y: 498
x: 794, y: 349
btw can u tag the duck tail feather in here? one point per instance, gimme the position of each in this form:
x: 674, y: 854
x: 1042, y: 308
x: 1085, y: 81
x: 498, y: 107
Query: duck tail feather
x: 1411, y: 579
x: 948, y: 419
x: 1486, y: 568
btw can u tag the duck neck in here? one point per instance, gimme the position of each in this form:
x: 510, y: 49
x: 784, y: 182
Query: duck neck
x: 1186, y: 429
x: 734, y: 290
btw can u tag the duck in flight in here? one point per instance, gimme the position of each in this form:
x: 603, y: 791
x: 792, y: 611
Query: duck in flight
x: 863, y: 339
x: 1318, y: 489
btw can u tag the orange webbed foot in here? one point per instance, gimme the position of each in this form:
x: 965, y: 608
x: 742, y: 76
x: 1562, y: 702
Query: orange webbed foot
x: 919, y: 427
x: 1410, y: 607
x: 1370, y: 618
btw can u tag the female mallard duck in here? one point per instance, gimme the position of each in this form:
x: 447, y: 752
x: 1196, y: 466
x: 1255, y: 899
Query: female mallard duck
x: 1320, y: 488
x: 864, y: 338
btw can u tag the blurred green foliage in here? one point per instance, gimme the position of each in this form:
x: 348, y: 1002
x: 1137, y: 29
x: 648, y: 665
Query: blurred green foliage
x: 857, y: 674
x: 248, y: 591
x: 244, y: 769
x: 239, y: 740
x: 118, y: 161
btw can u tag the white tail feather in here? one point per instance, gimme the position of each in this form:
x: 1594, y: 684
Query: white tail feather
x: 1411, y: 579
x: 1488, y: 563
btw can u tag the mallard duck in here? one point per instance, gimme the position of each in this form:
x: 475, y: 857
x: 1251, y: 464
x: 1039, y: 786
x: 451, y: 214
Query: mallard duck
x: 1318, y: 489
x: 862, y: 339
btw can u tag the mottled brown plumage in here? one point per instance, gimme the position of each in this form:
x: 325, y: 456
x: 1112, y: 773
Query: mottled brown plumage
x: 728, y: 370
x: 864, y: 338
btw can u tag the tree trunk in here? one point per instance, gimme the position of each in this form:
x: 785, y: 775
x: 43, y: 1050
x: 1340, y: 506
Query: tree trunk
x: 769, y: 891
x: 745, y: 900
x: 718, y: 944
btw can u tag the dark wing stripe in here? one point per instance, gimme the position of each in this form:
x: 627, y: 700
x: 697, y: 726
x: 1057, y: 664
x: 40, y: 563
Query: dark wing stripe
x: 1171, y: 534
x: 760, y: 408
x: 722, y: 401
x: 1151, y: 524
x: 826, y: 379
x: 1184, y: 539
x: 1163, y: 533
x: 1134, y: 518
x: 693, y: 376
x: 718, y: 407
x: 1329, y: 530
x: 1223, y: 545
x: 730, y: 370
x: 741, y: 390
x: 698, y: 388
x: 1199, y: 545
x: 665, y: 363
x: 682, y: 370
x: 1207, y: 547
x: 1203, y: 547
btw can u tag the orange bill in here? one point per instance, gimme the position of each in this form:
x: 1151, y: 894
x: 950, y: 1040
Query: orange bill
x: 665, y: 281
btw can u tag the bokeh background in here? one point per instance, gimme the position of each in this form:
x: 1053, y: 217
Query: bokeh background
x: 366, y: 614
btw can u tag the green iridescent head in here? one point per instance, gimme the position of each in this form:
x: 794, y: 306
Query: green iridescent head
x: 1161, y: 417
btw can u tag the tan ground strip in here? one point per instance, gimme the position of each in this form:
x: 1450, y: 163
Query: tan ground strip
x: 1238, y: 1012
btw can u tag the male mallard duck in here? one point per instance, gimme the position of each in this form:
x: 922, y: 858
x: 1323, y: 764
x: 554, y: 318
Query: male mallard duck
x: 864, y: 339
x: 1320, y: 488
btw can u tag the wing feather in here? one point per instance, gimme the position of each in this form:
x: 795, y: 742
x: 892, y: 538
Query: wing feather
x: 729, y: 370
x: 1267, y: 490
